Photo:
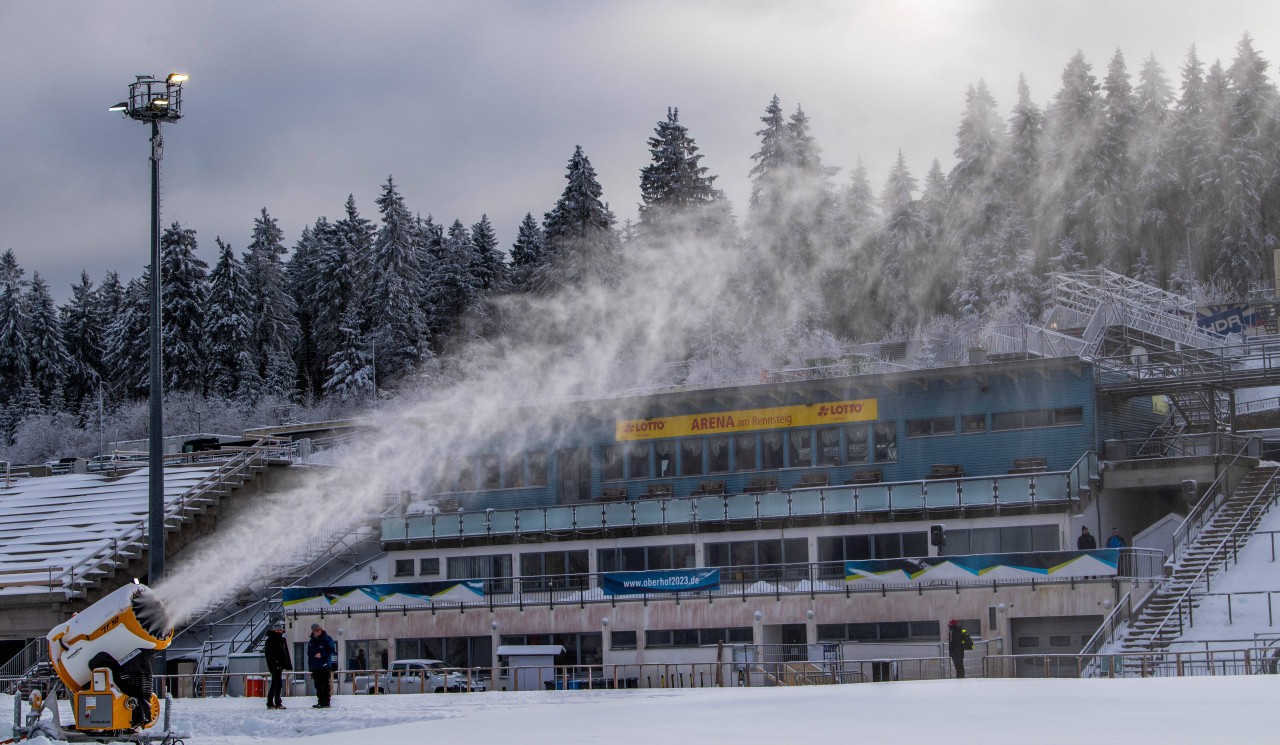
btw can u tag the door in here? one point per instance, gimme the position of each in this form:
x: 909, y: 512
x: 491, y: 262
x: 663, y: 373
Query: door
x: 573, y: 475
x: 1064, y: 635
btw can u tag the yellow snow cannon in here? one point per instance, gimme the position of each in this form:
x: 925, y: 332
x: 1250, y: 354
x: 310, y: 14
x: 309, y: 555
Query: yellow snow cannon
x: 104, y: 654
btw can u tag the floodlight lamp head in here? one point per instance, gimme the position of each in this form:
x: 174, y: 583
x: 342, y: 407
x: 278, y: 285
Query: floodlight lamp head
x: 177, y: 78
x: 122, y: 106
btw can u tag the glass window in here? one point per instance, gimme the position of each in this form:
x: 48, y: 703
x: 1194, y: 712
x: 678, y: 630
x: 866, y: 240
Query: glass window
x: 926, y: 630
x: 1037, y: 418
x: 537, y: 468
x: 691, y: 457
x: 801, y: 441
x: 495, y: 568
x: 886, y: 442
x: 973, y: 423
x: 855, y: 448
x: 915, y: 544
x: 665, y: 453
x: 984, y: 541
x: 1059, y: 641
x: 795, y: 551
x: 1028, y: 642
x: 622, y: 640
x: 863, y: 632
x: 429, y: 566
x: 489, y: 472
x: 829, y: 446
x: 942, y: 425
x: 744, y: 452
x: 1044, y: 538
x: 638, y: 460
x: 404, y: 567
x: 611, y: 469
x: 1005, y: 420
x: 1015, y: 539
x: 718, y: 454
x: 857, y: 547
x: 957, y: 543
x: 895, y: 631
x: 770, y: 450
x: 513, y: 471
x: 740, y: 635
x: 888, y: 546
x: 1074, y: 415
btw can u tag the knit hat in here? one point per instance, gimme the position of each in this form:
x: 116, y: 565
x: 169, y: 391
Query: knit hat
x: 315, y: 627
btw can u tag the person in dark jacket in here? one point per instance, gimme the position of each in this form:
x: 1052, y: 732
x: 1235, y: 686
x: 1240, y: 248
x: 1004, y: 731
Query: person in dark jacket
x: 958, y: 641
x: 277, y: 652
x: 1086, y: 541
x: 320, y: 652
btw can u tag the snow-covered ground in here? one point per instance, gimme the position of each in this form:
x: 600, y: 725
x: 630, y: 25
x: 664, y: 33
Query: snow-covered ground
x: 1170, y: 711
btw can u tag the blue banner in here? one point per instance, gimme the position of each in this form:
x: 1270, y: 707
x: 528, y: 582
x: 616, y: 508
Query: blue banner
x: 397, y: 594
x: 987, y: 567
x: 660, y: 580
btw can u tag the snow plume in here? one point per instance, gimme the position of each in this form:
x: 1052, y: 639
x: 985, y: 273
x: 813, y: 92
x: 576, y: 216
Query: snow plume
x: 561, y: 359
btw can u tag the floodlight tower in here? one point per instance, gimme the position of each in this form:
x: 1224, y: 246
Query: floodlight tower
x: 153, y: 101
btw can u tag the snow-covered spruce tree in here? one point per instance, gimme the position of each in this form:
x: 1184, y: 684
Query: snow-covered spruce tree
x: 527, y: 253
x: 1021, y: 162
x: 1113, y: 169
x: 300, y: 273
x: 1253, y: 167
x: 1196, y: 145
x: 273, y: 315
x: 451, y: 288
x: 676, y: 192
x: 349, y: 368
x: 341, y: 249
x: 787, y: 228
x: 489, y: 271
x: 232, y: 364
x: 183, y: 277
x: 127, y: 349
x: 854, y: 219
x: 15, y: 371
x: 582, y: 247
x: 47, y: 357
x: 899, y: 244
x: 395, y: 324
x: 83, y: 330
x: 1155, y: 192
x: 1067, y: 172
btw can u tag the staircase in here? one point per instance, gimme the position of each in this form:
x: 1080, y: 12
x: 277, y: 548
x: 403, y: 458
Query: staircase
x: 1165, y: 615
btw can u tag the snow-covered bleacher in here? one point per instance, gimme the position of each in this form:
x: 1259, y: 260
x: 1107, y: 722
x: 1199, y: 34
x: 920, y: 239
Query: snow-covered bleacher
x: 61, y: 534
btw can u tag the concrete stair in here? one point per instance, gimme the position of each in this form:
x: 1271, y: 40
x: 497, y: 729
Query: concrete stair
x: 1162, y: 618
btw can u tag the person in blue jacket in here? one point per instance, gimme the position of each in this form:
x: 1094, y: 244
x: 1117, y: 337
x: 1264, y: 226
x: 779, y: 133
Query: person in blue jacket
x: 1116, y: 541
x: 320, y: 652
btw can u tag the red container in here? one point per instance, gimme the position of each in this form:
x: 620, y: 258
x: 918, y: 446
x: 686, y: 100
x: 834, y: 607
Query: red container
x: 255, y: 686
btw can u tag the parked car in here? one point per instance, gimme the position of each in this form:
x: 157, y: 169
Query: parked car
x: 417, y: 676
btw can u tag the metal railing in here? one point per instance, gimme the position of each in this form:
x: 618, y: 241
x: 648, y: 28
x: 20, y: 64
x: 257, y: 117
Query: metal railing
x: 1182, y: 446
x: 134, y: 537
x: 771, y: 580
x: 1216, y: 493
x: 1250, y: 660
x: 989, y: 492
x: 1226, y: 550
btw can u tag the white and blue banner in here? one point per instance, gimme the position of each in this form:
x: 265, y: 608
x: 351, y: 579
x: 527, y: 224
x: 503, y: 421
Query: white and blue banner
x: 392, y: 594
x: 659, y: 580
x: 986, y: 567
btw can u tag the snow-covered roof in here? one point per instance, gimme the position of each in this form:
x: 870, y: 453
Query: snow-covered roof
x: 54, y: 526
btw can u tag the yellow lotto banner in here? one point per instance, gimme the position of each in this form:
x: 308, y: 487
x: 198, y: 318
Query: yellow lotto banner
x: 778, y: 417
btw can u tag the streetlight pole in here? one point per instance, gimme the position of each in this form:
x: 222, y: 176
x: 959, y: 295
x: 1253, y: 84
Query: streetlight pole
x: 152, y: 101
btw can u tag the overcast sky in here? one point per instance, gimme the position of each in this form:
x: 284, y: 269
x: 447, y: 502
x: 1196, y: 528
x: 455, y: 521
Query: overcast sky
x: 475, y: 107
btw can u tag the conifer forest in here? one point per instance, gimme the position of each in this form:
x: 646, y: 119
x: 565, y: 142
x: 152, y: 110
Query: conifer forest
x: 1171, y: 177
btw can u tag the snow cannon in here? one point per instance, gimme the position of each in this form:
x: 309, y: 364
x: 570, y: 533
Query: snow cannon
x: 103, y: 655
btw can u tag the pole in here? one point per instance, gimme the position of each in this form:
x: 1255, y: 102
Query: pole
x: 155, y: 450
